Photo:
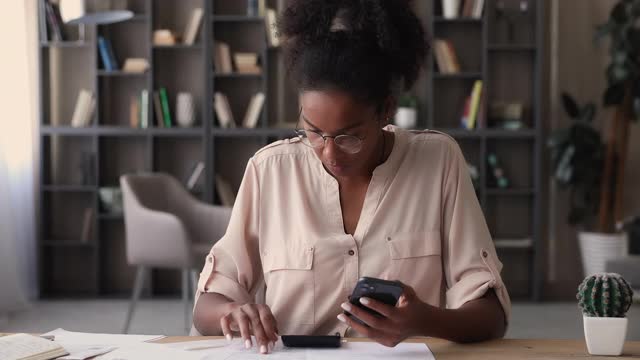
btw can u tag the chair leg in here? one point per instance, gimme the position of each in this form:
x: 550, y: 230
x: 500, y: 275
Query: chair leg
x: 137, y: 289
x: 185, y: 299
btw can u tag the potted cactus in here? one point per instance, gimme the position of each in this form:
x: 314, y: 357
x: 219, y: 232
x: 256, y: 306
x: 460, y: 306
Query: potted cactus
x: 604, y: 299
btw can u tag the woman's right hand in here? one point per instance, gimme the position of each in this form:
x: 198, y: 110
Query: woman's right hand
x: 251, y: 319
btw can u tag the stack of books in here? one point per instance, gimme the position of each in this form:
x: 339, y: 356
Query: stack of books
x: 247, y: 63
x: 139, y: 110
x: 162, y: 109
x: 473, y: 112
x: 54, y: 27
x: 225, y: 115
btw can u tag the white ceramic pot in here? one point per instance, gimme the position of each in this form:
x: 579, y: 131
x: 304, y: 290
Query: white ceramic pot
x: 185, y: 110
x: 450, y: 8
x: 406, y: 118
x: 604, y: 335
x: 597, y: 248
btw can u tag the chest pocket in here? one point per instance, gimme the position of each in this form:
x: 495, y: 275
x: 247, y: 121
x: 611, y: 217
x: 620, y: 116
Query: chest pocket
x: 290, y: 285
x: 416, y: 259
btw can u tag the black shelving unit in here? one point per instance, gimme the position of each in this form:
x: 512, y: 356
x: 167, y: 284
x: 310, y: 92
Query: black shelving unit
x: 117, y: 148
x: 480, y: 47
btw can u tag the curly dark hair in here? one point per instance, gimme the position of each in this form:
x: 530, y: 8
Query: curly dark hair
x: 368, y: 48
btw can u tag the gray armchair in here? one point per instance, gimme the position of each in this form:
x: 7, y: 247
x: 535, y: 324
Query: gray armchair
x: 166, y: 227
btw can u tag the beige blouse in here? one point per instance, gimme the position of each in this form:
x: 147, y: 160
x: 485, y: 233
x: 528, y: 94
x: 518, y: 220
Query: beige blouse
x: 421, y: 223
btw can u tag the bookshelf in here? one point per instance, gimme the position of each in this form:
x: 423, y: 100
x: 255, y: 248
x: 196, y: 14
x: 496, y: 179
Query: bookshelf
x: 78, y: 162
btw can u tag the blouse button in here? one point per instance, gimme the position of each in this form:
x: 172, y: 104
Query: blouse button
x: 337, y: 333
x: 351, y: 252
x: 389, y: 238
x: 484, y: 253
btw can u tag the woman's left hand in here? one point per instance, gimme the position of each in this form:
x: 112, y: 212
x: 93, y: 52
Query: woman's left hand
x: 397, y: 322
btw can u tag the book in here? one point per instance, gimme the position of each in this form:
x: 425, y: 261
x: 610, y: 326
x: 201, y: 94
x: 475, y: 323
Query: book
x: 253, y: 110
x: 191, y: 31
x: 55, y: 21
x: 270, y: 18
x: 166, y: 113
x: 134, y: 112
x: 464, y: 119
x: 157, y: 109
x: 225, y: 192
x: 451, y: 57
x: 29, y: 347
x: 223, y: 110
x: 477, y: 9
x: 144, y: 109
x: 104, y: 54
x: 195, y: 175
x: 222, y: 58
x: 87, y: 221
x: 440, y: 55
x: 112, y: 56
x: 135, y: 65
x: 476, y: 93
x: 467, y: 8
x: 252, y: 8
x: 85, y: 104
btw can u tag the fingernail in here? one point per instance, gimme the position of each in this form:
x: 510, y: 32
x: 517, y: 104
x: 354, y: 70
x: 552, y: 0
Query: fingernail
x: 247, y: 344
x: 346, y: 306
x: 342, y: 318
x: 229, y: 337
x: 364, y: 301
x: 263, y: 349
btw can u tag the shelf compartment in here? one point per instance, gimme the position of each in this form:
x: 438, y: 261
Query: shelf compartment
x: 116, y: 95
x: 68, y: 270
x: 177, y: 156
x: 237, y: 18
x: 68, y: 161
x: 121, y: 155
x: 64, y: 216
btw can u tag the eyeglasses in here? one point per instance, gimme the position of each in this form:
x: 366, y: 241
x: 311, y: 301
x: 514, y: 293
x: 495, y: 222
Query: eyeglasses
x: 350, y: 144
x: 347, y: 143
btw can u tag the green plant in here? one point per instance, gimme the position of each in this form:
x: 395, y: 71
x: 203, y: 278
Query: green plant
x: 623, y: 92
x: 577, y: 156
x: 408, y: 101
x: 604, y: 295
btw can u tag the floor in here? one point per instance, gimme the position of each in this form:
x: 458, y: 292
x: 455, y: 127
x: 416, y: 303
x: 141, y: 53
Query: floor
x: 165, y: 316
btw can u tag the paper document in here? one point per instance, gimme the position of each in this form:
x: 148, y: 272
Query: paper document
x: 142, y: 351
x: 77, y: 338
x: 220, y: 350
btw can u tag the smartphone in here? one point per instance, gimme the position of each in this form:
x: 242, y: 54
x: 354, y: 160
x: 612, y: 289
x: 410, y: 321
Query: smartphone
x: 311, y: 341
x: 385, y: 291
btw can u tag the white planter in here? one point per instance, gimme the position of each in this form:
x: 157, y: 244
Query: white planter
x: 406, y: 118
x: 605, y: 336
x: 597, y: 248
x: 450, y: 8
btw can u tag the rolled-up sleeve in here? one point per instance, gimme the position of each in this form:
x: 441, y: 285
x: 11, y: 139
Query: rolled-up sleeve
x: 470, y: 261
x: 233, y: 266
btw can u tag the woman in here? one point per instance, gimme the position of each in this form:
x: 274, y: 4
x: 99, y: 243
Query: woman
x: 352, y: 197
